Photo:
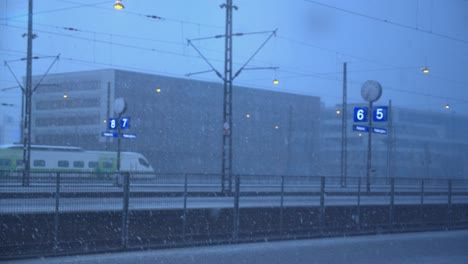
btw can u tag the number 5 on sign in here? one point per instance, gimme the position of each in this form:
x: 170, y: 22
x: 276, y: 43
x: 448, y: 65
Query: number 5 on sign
x: 360, y: 114
x: 380, y: 114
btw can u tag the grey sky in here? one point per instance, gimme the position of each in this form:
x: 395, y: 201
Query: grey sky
x: 389, y: 41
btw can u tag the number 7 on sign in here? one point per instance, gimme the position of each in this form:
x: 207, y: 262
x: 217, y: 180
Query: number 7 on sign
x: 125, y: 122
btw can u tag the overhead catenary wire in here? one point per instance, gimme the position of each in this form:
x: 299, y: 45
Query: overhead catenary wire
x: 386, y: 21
x: 283, y: 67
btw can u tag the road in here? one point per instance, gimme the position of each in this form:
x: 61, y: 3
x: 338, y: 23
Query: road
x: 426, y: 248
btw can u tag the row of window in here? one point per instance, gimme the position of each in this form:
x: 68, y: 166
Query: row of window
x: 60, y: 164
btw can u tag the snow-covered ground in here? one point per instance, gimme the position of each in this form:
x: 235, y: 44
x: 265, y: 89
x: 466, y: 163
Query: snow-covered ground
x: 425, y: 248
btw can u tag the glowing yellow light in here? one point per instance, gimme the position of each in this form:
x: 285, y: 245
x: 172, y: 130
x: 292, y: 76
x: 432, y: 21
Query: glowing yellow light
x: 338, y: 112
x: 118, y: 5
x: 425, y: 70
x: 158, y: 90
x: 447, y: 106
x: 65, y: 96
x: 247, y: 115
x: 275, y: 81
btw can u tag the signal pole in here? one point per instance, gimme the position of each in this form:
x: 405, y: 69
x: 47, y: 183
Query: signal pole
x: 28, y: 94
x: 227, y: 111
x: 228, y: 78
x: 344, y: 126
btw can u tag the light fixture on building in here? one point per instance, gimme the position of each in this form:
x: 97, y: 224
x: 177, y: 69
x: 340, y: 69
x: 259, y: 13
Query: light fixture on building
x: 118, y: 5
x: 275, y: 81
x: 338, y: 112
x: 65, y: 96
x: 425, y: 70
x: 158, y: 90
x: 447, y: 106
x: 276, y: 127
x: 247, y: 115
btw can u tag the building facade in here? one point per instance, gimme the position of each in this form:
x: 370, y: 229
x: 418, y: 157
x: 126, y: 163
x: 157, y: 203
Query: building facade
x: 419, y: 144
x: 178, y: 122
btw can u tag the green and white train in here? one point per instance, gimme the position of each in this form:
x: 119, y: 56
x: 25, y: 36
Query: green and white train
x: 71, y: 159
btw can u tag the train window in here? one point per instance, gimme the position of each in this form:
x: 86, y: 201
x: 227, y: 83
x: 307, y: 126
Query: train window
x: 143, y: 162
x: 78, y: 164
x: 107, y: 164
x: 39, y: 163
x: 63, y: 163
x: 92, y: 164
x: 5, y: 162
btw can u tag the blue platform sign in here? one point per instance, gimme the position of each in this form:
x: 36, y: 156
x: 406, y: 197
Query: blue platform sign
x: 360, y: 128
x: 125, y: 122
x: 131, y: 136
x: 360, y: 114
x: 380, y: 114
x: 378, y: 130
x: 112, y: 123
x: 109, y: 134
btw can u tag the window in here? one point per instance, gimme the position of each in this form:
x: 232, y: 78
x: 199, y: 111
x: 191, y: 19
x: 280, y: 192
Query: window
x: 5, y: 162
x: 92, y: 164
x: 107, y: 164
x: 78, y: 164
x: 143, y: 162
x: 39, y: 163
x: 63, y: 163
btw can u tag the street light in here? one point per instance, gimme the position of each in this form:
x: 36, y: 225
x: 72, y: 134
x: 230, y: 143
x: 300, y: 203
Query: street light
x: 118, y: 5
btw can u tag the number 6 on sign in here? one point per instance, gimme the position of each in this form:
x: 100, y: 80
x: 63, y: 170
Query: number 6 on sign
x: 360, y: 114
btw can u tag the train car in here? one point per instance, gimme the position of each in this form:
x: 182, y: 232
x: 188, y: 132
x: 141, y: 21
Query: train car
x: 71, y: 159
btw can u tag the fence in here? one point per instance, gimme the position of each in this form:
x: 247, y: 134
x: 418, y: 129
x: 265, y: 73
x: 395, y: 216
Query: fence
x: 62, y: 212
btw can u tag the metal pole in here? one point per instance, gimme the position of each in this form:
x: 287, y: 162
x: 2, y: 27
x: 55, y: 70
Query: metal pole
x: 235, y: 233
x: 344, y: 139
x: 359, y: 204
x: 227, y: 104
x: 369, y: 150
x: 108, y: 112
x: 184, y: 219
x: 126, y: 189
x: 392, y: 201
x: 449, y: 206
x: 322, y: 204
x: 28, y: 94
x: 118, y: 143
x: 282, y: 206
x: 57, y: 203
x: 390, y: 140
x: 421, y: 207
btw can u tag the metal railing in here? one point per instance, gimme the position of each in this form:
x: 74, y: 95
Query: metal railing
x: 192, y: 209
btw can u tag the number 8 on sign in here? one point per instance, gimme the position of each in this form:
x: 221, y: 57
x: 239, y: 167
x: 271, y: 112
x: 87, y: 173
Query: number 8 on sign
x: 112, y: 123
